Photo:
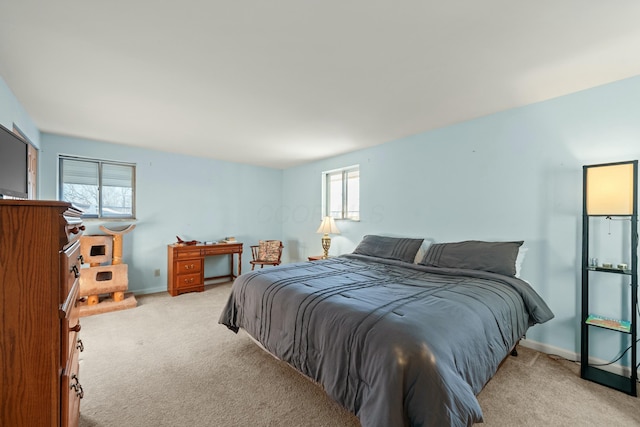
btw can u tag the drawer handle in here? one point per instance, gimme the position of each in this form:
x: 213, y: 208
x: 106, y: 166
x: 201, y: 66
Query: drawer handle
x: 74, y: 230
x: 188, y: 280
x: 76, y: 386
x: 76, y: 272
x: 80, y: 346
x: 76, y: 328
x: 81, y: 259
x: 189, y: 267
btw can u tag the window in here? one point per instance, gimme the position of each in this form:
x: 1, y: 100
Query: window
x: 341, y: 193
x: 102, y: 189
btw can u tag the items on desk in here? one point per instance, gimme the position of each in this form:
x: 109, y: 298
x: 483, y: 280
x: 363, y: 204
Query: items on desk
x: 189, y: 243
x: 207, y: 242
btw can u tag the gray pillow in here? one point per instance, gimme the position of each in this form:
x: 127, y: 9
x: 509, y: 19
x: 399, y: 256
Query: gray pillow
x: 495, y: 257
x: 398, y: 248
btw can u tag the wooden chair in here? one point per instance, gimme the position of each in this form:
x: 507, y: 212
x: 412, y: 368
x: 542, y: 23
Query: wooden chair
x: 267, y: 252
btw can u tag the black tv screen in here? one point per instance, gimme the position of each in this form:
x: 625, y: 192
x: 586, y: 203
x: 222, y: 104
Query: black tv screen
x: 13, y: 165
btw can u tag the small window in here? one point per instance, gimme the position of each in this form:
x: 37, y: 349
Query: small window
x: 102, y: 189
x: 341, y: 193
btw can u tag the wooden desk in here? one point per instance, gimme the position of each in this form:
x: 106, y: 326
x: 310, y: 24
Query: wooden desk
x: 185, y: 265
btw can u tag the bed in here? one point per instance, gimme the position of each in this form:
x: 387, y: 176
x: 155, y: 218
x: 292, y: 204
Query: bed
x: 396, y: 342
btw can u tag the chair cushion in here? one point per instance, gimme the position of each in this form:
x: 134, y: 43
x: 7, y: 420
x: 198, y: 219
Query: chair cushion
x: 269, y: 250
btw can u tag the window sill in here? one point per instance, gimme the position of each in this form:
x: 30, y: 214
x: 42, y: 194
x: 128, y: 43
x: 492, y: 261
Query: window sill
x: 94, y: 219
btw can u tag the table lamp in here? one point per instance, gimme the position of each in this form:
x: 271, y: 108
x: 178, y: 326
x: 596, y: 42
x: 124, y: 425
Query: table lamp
x: 327, y: 227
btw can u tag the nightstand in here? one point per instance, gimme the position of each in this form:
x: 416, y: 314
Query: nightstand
x: 315, y: 257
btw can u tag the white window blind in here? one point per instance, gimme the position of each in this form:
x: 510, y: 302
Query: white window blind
x: 117, y: 176
x: 80, y: 172
x: 102, y: 189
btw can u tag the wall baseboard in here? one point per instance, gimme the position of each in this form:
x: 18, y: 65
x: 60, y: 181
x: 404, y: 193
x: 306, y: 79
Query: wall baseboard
x: 549, y: 349
x: 147, y: 291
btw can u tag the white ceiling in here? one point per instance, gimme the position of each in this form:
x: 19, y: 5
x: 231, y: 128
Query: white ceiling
x: 284, y: 82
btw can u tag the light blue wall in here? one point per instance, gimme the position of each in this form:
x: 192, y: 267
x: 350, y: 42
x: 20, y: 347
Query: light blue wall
x: 516, y: 175
x: 12, y: 112
x: 194, y: 198
x: 512, y: 175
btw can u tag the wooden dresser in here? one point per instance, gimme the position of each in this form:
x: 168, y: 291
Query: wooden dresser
x: 39, y: 323
x: 185, y: 265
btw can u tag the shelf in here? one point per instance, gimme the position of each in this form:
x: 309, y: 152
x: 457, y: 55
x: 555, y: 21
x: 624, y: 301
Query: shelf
x: 609, y: 379
x: 607, y: 323
x: 610, y: 270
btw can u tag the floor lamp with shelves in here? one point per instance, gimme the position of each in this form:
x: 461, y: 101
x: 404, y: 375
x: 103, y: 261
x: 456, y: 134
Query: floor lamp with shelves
x: 610, y: 191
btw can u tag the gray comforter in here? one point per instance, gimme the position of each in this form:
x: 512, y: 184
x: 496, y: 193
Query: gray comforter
x: 397, y: 344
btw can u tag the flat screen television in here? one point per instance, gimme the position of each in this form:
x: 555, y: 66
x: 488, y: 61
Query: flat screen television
x: 13, y: 165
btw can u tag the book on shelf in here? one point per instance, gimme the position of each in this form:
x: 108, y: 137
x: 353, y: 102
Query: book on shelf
x: 605, y: 322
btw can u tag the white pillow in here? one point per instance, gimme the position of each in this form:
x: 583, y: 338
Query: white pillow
x: 520, y: 259
x: 422, y: 250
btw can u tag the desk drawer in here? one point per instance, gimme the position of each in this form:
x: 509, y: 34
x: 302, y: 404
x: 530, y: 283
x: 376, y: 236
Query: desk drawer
x: 222, y: 249
x: 187, y: 252
x: 189, y: 266
x: 188, y: 280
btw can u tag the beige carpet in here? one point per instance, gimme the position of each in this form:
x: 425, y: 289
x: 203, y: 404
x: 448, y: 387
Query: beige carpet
x: 168, y: 363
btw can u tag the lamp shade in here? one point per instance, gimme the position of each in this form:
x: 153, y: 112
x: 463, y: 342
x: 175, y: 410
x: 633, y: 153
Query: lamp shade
x: 328, y: 226
x: 609, y: 189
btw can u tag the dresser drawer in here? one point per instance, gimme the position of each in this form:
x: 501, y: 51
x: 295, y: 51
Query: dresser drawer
x: 73, y: 225
x: 189, y: 266
x: 70, y: 261
x: 188, y: 280
x: 69, y: 324
x: 71, y: 392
